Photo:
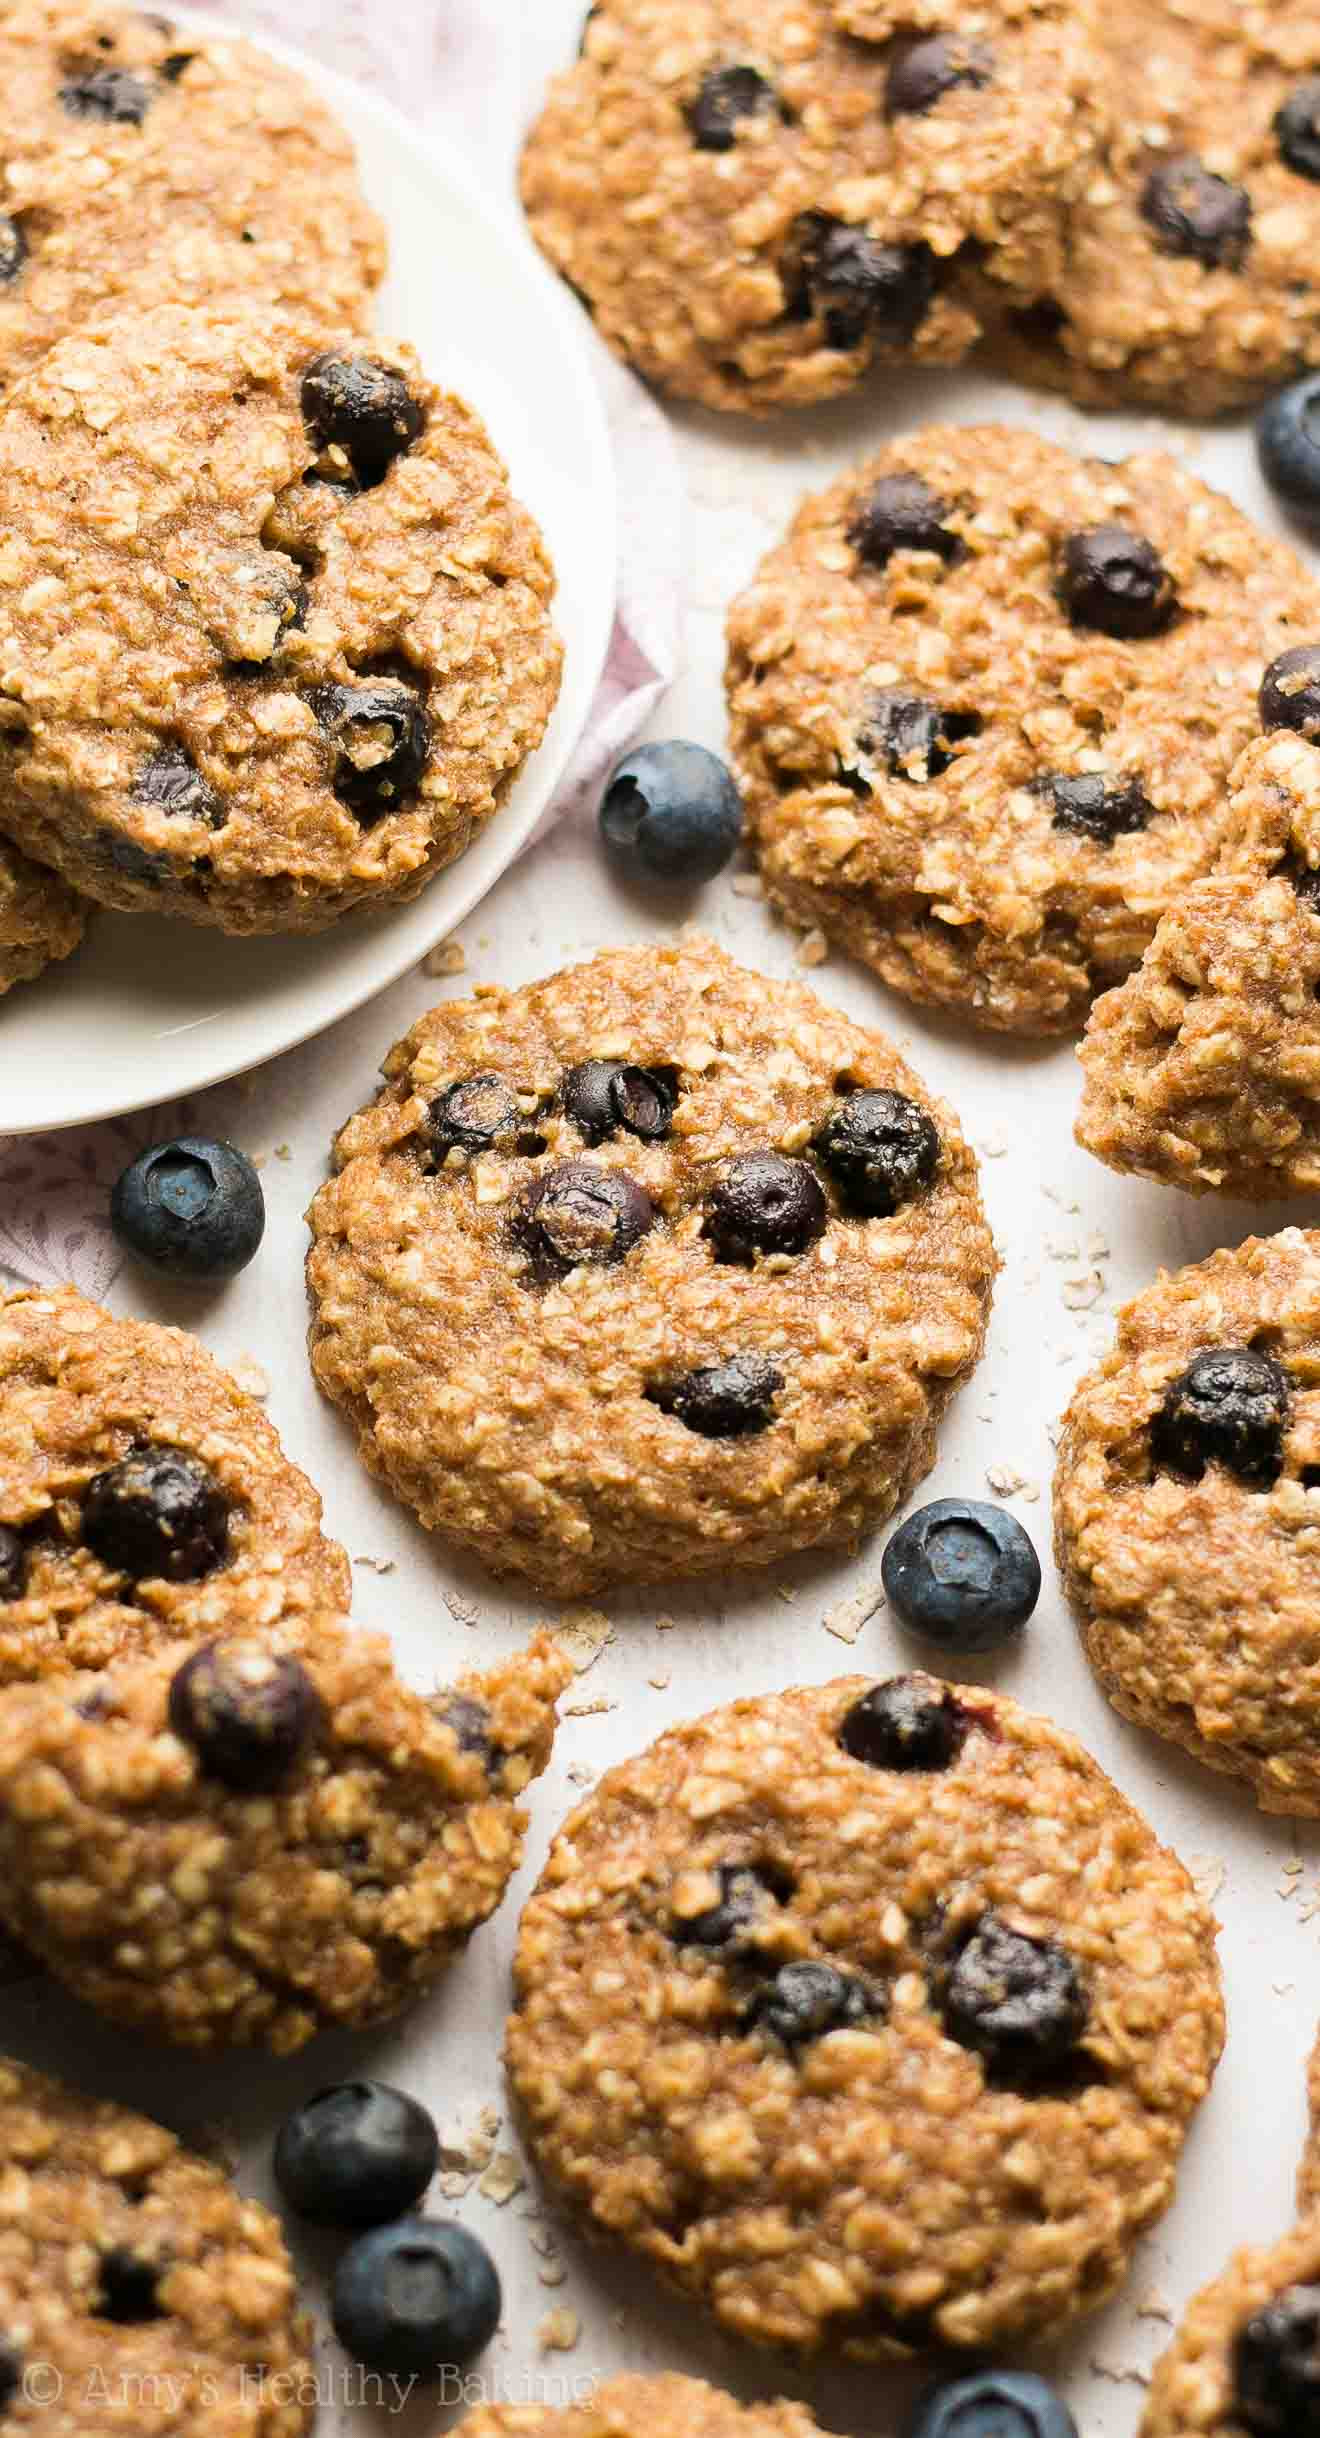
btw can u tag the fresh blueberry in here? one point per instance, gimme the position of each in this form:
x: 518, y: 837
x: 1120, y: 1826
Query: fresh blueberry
x: 962, y: 1574
x: 725, y: 98
x: 805, y: 2001
x: 112, y: 94
x: 1288, y: 444
x: 992, y: 2404
x: 383, y: 735
x: 1230, y: 1407
x: 729, y: 1400
x: 192, y: 1208
x: 1116, y: 582
x: 604, y: 1098
x: 1297, y: 127
x: 13, y: 1564
x: 365, y: 409
x: 1290, y: 692
x: 127, y: 2291
x: 674, y: 811
x: 248, y: 1714
x: 13, y: 249
x: 921, y: 72
x: 356, y: 2155
x: 747, y: 1898
x: 1093, y: 806
x: 764, y: 1203
x: 1018, y: 2001
x: 158, y: 1514
x: 901, y: 512
x: 881, y: 1149
x: 578, y: 1213
x: 1196, y: 213
x: 909, y: 1723
x: 415, y: 2298
x: 1276, y: 2367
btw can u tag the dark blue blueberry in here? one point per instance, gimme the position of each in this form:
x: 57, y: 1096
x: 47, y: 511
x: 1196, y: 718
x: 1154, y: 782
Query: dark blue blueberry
x: 1297, y: 126
x: 725, y: 98
x: 747, y: 1900
x: 1230, y: 1407
x: 579, y: 1213
x: 805, y: 2001
x: 1093, y: 806
x: 1195, y: 213
x: 1018, y: 2001
x: 674, y: 810
x: 859, y: 287
x: 1116, y: 582
x: 356, y: 2155
x: 172, y: 781
x: 127, y: 2287
x: 1276, y: 2367
x: 11, y: 2372
x: 901, y: 512
x: 248, y: 1714
x: 729, y: 1400
x: 469, y: 1722
x: 383, y: 734
x: 992, y: 2404
x: 881, y: 1149
x: 13, y: 1564
x: 415, y: 2298
x: 1288, y: 444
x: 479, y: 1113
x: 158, y: 1515
x: 113, y: 94
x: 1290, y: 692
x: 764, y: 1203
x: 912, y: 736
x: 364, y: 408
x: 604, y: 1098
x: 13, y: 250
x: 963, y: 1574
x: 192, y: 1208
x: 922, y: 71
x: 909, y: 1723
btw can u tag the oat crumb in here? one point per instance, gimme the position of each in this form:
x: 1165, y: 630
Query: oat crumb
x: 582, y: 1637
x: 447, y: 957
x: 503, y: 2178
x: 559, y: 2331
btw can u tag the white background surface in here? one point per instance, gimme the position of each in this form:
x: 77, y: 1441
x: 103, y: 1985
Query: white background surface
x: 1048, y: 1202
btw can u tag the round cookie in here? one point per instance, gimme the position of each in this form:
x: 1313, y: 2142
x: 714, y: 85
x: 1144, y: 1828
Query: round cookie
x: 873, y: 2017
x: 145, y: 164
x: 984, y: 698
x: 241, y: 1845
x: 275, y: 635
x: 662, y: 2404
x: 1186, y: 1513
x: 143, y: 1497
x: 650, y: 1269
x: 756, y: 208
x: 41, y: 920
x: 1242, y: 2364
x: 138, y: 2288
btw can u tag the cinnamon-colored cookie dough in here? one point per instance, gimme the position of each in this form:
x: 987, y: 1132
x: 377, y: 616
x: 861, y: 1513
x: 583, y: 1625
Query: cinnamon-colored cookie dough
x: 652, y: 1268
x: 872, y: 2017
x: 1187, y: 1514
x: 1242, y: 2364
x: 1308, y: 2174
x: 41, y: 920
x: 662, y: 2404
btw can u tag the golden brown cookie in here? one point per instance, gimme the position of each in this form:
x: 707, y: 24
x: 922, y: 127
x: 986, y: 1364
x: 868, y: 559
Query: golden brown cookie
x: 41, y: 920
x: 984, y: 698
x: 653, y: 1268
x: 144, y: 1498
x: 662, y: 2404
x: 872, y: 2017
x: 1308, y: 2174
x: 1186, y: 1514
x: 1242, y: 2364
x: 275, y: 635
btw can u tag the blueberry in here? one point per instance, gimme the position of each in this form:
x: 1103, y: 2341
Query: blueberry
x: 1115, y: 581
x: 1288, y: 444
x: 921, y: 72
x: 901, y: 512
x: 469, y: 1722
x: 1290, y: 691
x: 356, y: 2155
x: 805, y: 2001
x: 726, y: 97
x: 909, y: 1723
x: 881, y: 1149
x: 13, y: 249
x: 1230, y: 1407
x: 192, y: 1208
x: 1018, y: 2001
x: 674, y: 810
x: 157, y: 1515
x: 603, y: 1098
x: 477, y: 1114
x: 747, y: 1899
x: 11, y: 2372
x: 1297, y: 126
x: 13, y: 1564
x: 112, y: 94
x: 249, y: 1714
x: 127, y: 2287
x: 364, y: 408
x: 384, y: 738
x: 962, y: 1574
x: 992, y: 2404
x: 415, y: 2298
x: 912, y: 736
x: 172, y: 781
x: 1276, y: 2367
x: 764, y: 1203
x: 1094, y: 806
x: 578, y: 1213
x: 858, y: 286
x: 1195, y: 213
x: 728, y: 1400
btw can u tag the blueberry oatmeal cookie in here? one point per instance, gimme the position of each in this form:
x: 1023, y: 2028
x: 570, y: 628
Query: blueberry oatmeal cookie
x: 756, y: 208
x: 240, y: 1842
x: 872, y: 2016
x: 1186, y: 1508
x: 138, y: 2289
x: 274, y: 636
x: 143, y: 163
x: 650, y: 1269
x: 41, y: 920
x: 1308, y: 2174
x: 660, y: 2404
x: 1203, y: 1069
x: 143, y: 1497
x: 984, y: 698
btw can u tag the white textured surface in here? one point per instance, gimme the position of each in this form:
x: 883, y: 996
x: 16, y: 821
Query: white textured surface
x: 1044, y: 1196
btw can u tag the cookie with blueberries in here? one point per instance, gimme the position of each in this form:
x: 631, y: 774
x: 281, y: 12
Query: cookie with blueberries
x: 871, y: 2016
x: 138, y: 2287
x: 1186, y: 1506
x: 984, y: 698
x: 246, y: 1841
x: 653, y: 1268
x: 41, y: 919
x: 144, y: 1497
x: 1203, y: 1069
x: 276, y: 636
x: 660, y: 2404
x: 145, y: 163
x: 756, y: 208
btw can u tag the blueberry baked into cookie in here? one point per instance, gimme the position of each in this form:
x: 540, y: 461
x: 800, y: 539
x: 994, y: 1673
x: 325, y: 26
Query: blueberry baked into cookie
x: 652, y: 1268
x: 275, y: 636
x: 756, y: 208
x: 138, y: 2288
x: 1186, y: 1507
x: 984, y: 698
x: 872, y: 2016
x: 41, y: 919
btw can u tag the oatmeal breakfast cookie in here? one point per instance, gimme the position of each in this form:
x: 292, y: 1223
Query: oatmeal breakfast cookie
x: 872, y: 2016
x: 1308, y: 2174
x: 41, y: 920
x: 756, y: 208
x: 237, y: 1843
x: 650, y: 1269
x: 138, y: 2289
x: 143, y: 1497
x: 1243, y: 2363
x: 984, y: 698
x: 274, y: 636
x: 1203, y: 1069
x: 658, y: 2404
x: 141, y: 163
x: 1187, y: 1514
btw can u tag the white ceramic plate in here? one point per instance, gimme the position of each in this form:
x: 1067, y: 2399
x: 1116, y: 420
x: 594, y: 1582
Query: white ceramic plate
x: 149, y: 1009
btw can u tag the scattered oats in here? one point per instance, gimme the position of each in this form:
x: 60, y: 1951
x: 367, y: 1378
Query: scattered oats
x: 660, y: 1683
x: 377, y: 1566
x: 503, y: 2178
x: 1005, y: 1483
x: 845, y: 1621
x: 665, y: 1625
x: 1155, y: 2305
x: 1082, y: 1287
x: 1284, y: 1989
x: 813, y: 948
x: 993, y: 1146
x: 1063, y: 1248
x: 1310, y: 1911
x: 540, y: 2236
x: 596, y: 1709
x: 447, y: 957
x: 1290, y: 1880
x: 284, y: 1151
x: 559, y: 2331
x: 464, y: 1612
x: 258, y: 1159
x: 250, y: 1376
x: 1123, y: 2374
x: 1208, y: 1875
x: 552, y: 2272
x: 467, y: 2151
x: 1053, y: 1195
x: 1097, y: 1247
x: 748, y: 884
x: 580, y: 1775
x: 784, y: 1592
x: 582, y: 1637
x: 452, y: 2186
